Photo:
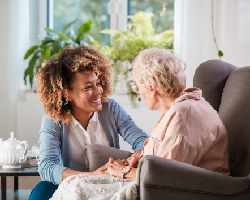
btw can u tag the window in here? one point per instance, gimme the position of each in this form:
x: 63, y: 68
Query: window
x: 65, y: 11
x: 109, y: 14
x: 163, y: 11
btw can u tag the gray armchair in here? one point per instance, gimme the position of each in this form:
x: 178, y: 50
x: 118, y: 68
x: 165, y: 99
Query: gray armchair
x: 227, y: 89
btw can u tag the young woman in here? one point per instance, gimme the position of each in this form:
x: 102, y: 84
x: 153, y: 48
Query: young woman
x: 74, y: 90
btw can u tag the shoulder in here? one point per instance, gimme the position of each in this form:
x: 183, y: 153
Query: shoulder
x: 110, y: 105
x: 50, y: 123
x: 181, y: 109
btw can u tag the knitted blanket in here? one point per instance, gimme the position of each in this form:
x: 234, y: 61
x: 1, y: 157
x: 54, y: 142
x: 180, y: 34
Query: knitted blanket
x: 99, y: 187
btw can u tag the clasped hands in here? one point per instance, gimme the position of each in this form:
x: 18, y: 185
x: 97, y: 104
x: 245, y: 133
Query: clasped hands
x: 114, y: 167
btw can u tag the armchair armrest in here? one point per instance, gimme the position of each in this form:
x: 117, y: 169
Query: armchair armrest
x: 97, y: 155
x: 161, y: 178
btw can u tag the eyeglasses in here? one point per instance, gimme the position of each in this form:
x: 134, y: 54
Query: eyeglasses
x: 135, y: 87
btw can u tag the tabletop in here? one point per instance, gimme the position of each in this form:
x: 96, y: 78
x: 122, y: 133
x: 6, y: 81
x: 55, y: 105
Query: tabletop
x: 23, y: 171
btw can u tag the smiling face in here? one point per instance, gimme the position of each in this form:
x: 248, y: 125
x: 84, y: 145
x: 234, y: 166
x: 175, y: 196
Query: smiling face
x: 86, y: 93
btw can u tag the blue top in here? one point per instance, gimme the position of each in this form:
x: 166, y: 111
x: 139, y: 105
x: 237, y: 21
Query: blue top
x: 54, y: 139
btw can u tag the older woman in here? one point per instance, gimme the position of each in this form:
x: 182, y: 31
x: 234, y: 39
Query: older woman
x: 74, y: 90
x: 189, y: 129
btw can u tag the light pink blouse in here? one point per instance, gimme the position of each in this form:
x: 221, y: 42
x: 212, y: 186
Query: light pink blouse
x: 191, y: 132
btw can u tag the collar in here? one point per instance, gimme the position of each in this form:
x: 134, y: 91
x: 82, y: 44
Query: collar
x: 92, y: 119
x: 190, y: 93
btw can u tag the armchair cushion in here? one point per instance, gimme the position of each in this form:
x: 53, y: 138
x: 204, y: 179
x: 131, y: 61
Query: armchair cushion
x: 235, y: 114
x: 160, y: 178
x: 97, y: 155
x: 211, y: 77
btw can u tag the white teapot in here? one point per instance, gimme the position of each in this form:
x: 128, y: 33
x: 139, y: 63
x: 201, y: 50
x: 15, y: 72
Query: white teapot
x: 13, y: 152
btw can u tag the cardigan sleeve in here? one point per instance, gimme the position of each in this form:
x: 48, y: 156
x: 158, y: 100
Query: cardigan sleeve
x: 127, y: 128
x: 50, y: 165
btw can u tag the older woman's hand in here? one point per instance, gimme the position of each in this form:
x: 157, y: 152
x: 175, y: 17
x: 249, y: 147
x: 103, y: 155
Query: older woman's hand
x: 133, y: 160
x: 115, y: 167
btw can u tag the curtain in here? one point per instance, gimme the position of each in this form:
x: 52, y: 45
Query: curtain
x: 194, y: 40
x: 14, y: 40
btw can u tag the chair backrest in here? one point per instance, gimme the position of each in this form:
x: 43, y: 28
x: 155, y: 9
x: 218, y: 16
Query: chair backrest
x: 235, y: 114
x: 227, y: 89
x: 211, y: 77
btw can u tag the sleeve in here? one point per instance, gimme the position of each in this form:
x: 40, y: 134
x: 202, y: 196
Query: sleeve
x: 174, y: 145
x: 50, y: 152
x: 127, y: 128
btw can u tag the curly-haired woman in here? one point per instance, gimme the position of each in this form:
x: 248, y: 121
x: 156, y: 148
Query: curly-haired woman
x: 74, y: 90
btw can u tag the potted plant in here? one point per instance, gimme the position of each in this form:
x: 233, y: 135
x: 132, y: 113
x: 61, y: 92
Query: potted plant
x: 125, y: 45
x: 53, y: 44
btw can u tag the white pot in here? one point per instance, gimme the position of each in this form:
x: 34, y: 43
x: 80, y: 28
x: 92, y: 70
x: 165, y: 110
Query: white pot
x: 121, y: 85
x: 13, y: 152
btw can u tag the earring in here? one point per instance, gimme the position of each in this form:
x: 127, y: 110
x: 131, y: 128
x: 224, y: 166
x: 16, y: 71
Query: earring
x: 151, y: 95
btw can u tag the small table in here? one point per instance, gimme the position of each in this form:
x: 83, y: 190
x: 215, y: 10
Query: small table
x: 23, y: 171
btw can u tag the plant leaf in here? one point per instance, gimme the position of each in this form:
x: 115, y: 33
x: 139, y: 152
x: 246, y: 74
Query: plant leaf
x: 108, y: 31
x: 30, y: 51
x: 95, y: 43
x: 45, y: 53
x: 47, y: 40
x: 30, y: 70
x: 82, y: 30
x: 61, y: 35
x: 220, y: 54
x: 68, y: 25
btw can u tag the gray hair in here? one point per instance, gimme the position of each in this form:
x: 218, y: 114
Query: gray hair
x: 160, y: 68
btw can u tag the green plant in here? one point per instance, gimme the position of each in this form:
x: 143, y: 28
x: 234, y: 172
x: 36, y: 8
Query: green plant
x: 53, y: 44
x: 125, y: 45
x: 220, y: 53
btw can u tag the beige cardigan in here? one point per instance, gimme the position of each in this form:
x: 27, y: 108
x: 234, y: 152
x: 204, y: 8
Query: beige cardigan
x: 192, y: 132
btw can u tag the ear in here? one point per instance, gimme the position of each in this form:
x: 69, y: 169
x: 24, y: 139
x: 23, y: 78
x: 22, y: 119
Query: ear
x: 152, y: 90
x: 67, y: 94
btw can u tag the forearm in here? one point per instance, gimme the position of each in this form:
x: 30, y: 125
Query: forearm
x: 68, y: 172
x: 137, y: 152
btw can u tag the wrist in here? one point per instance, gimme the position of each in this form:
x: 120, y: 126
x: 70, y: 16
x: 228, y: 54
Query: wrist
x: 131, y: 174
x: 125, y: 170
x: 138, y: 152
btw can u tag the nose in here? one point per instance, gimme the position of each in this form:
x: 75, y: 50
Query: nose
x: 98, y: 90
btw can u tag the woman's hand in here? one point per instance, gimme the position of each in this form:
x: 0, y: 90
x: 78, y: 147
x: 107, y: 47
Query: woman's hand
x: 103, y: 170
x: 134, y: 159
x: 115, y: 168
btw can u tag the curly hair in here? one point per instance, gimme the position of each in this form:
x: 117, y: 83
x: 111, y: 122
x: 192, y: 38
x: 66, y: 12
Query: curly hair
x: 56, y: 76
x: 161, y: 68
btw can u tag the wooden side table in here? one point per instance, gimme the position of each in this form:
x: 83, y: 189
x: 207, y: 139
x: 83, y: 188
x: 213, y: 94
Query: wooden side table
x: 23, y: 171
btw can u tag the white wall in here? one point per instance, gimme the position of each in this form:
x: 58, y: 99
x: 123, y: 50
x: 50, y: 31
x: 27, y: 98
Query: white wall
x: 14, y: 41
x: 4, y: 21
x: 19, y: 22
x: 244, y: 33
x: 194, y: 37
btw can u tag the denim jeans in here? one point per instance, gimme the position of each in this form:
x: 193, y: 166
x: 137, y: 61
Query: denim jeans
x: 44, y: 190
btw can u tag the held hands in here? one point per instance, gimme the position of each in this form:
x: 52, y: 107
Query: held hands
x: 115, y: 167
x: 133, y: 160
x: 102, y: 170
